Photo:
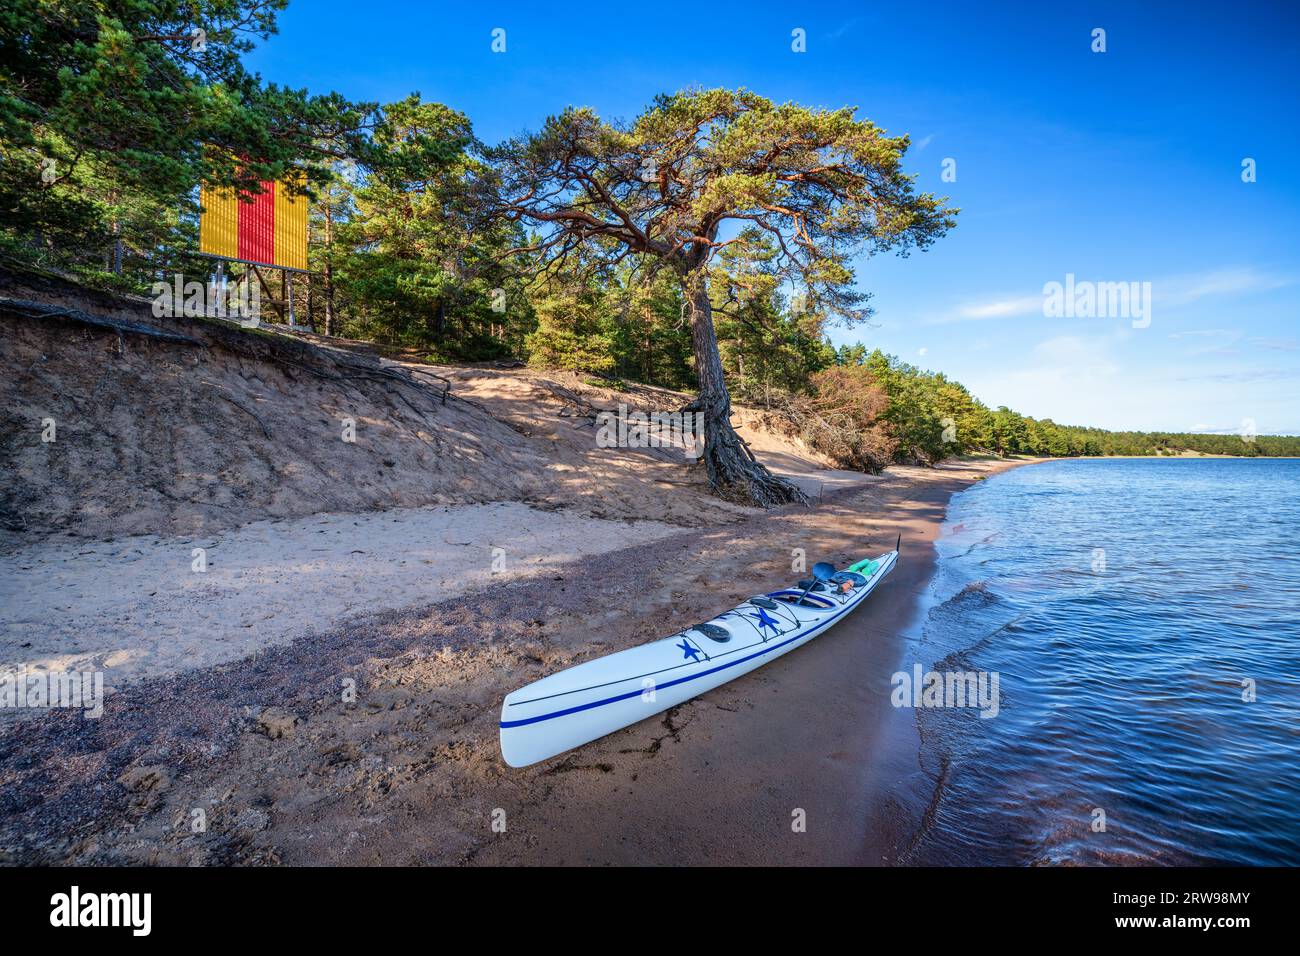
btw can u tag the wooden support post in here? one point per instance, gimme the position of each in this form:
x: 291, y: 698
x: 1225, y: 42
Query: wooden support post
x: 278, y: 305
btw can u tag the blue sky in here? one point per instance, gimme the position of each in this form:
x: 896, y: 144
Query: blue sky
x: 1123, y: 166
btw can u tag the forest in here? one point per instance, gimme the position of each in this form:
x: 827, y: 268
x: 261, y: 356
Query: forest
x: 705, y: 246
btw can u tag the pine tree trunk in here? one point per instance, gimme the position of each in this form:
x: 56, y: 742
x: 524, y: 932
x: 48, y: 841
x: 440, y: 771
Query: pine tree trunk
x: 732, y: 470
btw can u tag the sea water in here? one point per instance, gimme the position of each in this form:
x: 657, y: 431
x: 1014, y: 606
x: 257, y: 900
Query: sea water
x: 1143, y: 619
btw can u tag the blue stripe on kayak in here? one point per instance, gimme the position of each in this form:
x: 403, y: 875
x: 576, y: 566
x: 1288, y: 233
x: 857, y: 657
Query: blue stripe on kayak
x: 680, y: 680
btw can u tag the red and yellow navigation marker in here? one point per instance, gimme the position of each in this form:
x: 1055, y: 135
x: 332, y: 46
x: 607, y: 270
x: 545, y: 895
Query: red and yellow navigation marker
x: 267, y: 228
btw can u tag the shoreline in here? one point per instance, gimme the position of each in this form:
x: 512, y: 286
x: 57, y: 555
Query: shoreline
x: 814, y: 735
x: 288, y: 771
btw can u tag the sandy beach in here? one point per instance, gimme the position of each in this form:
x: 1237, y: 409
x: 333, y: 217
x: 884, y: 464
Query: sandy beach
x: 140, y: 606
x: 373, y: 739
x: 305, y: 640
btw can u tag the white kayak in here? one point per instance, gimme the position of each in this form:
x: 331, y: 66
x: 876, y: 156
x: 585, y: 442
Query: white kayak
x: 590, y: 700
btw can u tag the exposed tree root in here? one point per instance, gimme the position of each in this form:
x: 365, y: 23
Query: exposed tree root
x: 736, y: 476
x: 734, y: 473
x: 40, y: 310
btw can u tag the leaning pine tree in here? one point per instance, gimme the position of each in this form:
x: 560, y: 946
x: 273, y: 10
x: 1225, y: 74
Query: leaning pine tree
x: 704, y: 170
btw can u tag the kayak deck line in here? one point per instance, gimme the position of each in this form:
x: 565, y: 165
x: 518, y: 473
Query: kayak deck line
x: 681, y: 680
x: 530, y: 737
x: 797, y: 623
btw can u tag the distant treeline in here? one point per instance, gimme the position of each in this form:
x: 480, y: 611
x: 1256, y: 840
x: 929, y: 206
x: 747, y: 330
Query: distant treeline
x: 931, y: 417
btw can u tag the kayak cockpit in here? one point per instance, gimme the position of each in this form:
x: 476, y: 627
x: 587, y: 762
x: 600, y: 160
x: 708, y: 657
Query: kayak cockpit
x: 848, y: 577
x: 803, y: 599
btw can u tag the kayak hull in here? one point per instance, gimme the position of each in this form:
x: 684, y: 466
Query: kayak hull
x: 598, y: 697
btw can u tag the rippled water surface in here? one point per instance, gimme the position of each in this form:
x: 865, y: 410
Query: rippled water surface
x: 1126, y: 606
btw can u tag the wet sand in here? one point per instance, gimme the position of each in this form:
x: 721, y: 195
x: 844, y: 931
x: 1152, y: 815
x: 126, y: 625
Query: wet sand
x: 732, y: 770
x: 283, y: 765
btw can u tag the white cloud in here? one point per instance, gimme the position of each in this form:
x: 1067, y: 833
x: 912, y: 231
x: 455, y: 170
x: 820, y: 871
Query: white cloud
x: 843, y: 28
x: 1073, y: 357
x: 1185, y: 289
x: 1170, y: 291
x: 1204, y: 333
x: 992, y: 309
x: 1277, y: 345
x: 1218, y: 340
